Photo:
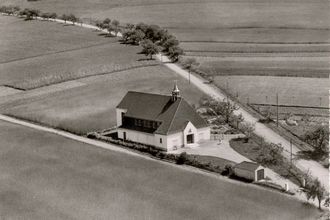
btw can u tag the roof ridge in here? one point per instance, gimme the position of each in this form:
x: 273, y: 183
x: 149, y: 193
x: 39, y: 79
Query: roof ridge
x: 169, y: 128
x: 147, y: 93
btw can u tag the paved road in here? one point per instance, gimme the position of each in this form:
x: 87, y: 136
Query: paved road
x: 316, y: 169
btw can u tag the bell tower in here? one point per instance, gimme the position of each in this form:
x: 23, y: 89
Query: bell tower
x: 175, y: 92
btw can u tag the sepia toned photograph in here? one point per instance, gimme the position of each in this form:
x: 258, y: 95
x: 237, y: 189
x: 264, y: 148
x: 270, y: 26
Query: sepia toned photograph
x: 164, y: 109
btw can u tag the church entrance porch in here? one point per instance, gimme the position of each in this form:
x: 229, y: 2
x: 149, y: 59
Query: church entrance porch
x: 190, y: 138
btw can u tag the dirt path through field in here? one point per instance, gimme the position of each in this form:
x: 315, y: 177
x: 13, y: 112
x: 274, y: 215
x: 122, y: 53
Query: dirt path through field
x: 57, y: 52
x: 316, y: 169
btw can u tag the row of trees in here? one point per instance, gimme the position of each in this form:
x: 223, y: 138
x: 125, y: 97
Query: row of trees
x: 112, y: 26
x: 153, y: 39
x: 69, y: 17
x: 10, y: 10
x: 31, y: 14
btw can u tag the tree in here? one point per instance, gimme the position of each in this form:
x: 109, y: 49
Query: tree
x: 319, y: 139
x: 222, y: 107
x: 99, y: 24
x: 327, y: 201
x: 72, y: 18
x: 164, y: 36
x: 142, y: 27
x: 149, y: 48
x: 45, y: 16
x: 152, y: 33
x: 247, y: 128
x: 53, y: 15
x: 132, y: 37
x: 314, y: 189
x: 126, y: 38
x: 190, y: 63
x: 271, y: 154
x: 115, y: 26
x: 64, y: 17
x: 29, y: 14
x: 237, y: 120
x: 107, y: 21
x: 169, y: 42
x: 34, y: 13
x: 130, y: 26
x: 137, y: 37
x: 11, y: 10
x: 174, y: 53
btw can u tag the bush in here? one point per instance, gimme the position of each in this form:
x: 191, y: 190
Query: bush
x: 182, y: 158
x: 228, y: 171
x: 160, y: 155
x: 265, y: 120
x: 272, y: 154
x: 92, y: 135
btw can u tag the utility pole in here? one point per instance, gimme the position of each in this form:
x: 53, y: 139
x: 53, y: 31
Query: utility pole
x: 189, y: 75
x: 277, y: 109
x: 291, y: 151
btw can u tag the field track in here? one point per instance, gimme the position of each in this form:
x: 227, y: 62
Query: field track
x: 57, y: 52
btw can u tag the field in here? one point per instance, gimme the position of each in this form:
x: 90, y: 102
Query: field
x: 297, y: 66
x: 260, y: 20
x: 276, y: 29
x: 91, y: 106
x: 291, y: 91
x: 63, y: 179
x: 49, y: 53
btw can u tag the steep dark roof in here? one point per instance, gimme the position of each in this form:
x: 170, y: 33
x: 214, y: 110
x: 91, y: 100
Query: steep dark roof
x: 173, y: 116
x: 245, y: 165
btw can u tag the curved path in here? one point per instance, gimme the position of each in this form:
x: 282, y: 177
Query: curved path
x: 316, y: 169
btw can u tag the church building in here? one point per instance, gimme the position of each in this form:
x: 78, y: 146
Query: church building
x: 167, y: 122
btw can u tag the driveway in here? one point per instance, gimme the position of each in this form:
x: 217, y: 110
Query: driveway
x: 216, y: 149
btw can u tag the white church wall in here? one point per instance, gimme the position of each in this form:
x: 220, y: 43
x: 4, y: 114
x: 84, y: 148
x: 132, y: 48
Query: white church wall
x: 143, y: 138
x: 175, y: 141
x: 161, y: 141
x: 119, y: 115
